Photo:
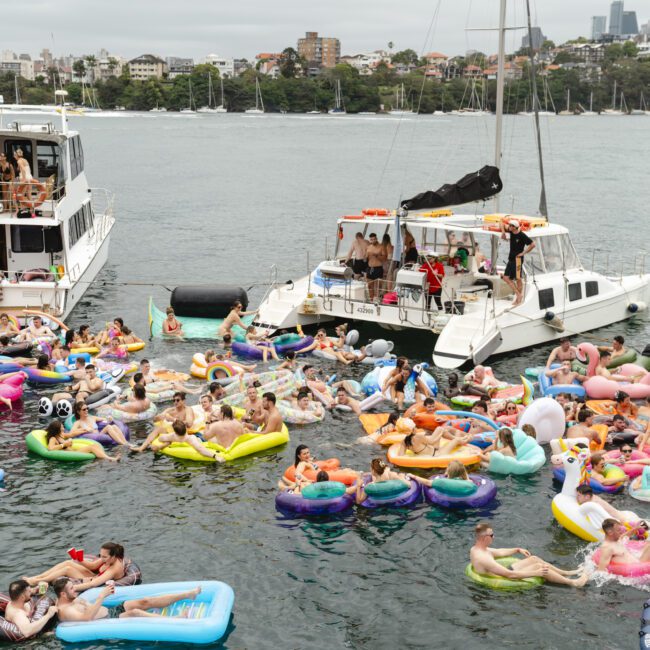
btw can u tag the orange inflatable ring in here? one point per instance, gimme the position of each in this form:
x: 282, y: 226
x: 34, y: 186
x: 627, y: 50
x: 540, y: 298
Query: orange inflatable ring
x: 22, y: 194
x: 331, y: 466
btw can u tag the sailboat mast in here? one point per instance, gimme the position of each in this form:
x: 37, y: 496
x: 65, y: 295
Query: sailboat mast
x: 500, y: 87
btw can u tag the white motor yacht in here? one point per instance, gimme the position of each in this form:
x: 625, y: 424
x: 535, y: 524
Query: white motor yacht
x: 54, y: 230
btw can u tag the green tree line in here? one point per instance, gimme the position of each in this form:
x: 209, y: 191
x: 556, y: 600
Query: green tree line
x: 360, y: 93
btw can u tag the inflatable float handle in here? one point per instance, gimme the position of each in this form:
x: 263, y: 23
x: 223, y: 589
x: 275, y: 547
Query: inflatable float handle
x: 469, y: 414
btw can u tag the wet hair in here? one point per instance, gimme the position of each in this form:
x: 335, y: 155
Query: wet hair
x: 618, y: 418
x: 43, y: 362
x: 455, y: 469
x: 179, y: 427
x: 605, y: 353
x: 59, y: 585
x: 90, y: 367
x: 138, y: 377
x: 452, y: 379
x: 564, y: 339
x: 481, y: 528
x: 83, y: 328
x: 81, y: 362
x: 291, y: 355
x: 302, y: 394
x: 481, y: 404
x: 429, y: 401
x: 584, y: 415
x: 392, y: 418
x: 17, y: 588
x: 4, y: 340
x: 226, y: 411
x: 596, y: 459
x: 114, y: 550
x: 619, y: 339
x: 529, y: 430
x: 400, y: 361
x: 408, y: 440
x: 505, y: 435
x: 621, y: 396
x: 306, y: 367
x: 214, y: 385
x: 119, y: 321
x: 585, y: 490
x: 340, y: 389
x: 66, y: 348
x: 378, y: 466
x: 69, y: 337
x: 299, y: 450
x: 236, y: 304
x: 608, y: 524
x: 322, y: 476
x: 181, y: 394
x: 126, y: 330
x: 139, y: 392
x: 53, y: 429
x: 76, y: 409
x: 269, y: 397
x: 143, y: 361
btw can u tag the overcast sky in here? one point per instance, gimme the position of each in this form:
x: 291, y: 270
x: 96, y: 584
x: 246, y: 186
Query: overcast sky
x: 194, y: 28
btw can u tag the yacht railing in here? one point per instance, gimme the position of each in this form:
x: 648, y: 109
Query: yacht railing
x: 621, y: 265
x: 10, y: 203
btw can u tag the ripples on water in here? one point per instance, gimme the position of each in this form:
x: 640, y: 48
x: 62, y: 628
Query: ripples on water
x: 214, y: 200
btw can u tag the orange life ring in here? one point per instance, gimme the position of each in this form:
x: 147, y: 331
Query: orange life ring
x: 378, y: 212
x: 22, y: 194
x: 354, y: 216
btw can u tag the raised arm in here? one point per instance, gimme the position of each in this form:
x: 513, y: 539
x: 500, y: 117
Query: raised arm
x: 30, y: 628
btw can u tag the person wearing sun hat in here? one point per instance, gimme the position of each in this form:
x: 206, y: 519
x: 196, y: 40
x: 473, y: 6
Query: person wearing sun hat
x: 520, y: 245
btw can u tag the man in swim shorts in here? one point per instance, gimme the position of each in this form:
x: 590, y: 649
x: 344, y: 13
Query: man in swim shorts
x: 35, y: 330
x: 484, y: 561
x: 613, y: 549
x: 272, y: 417
x: 19, y: 609
x: 563, y: 352
x: 375, y: 272
x: 358, y: 255
x: 72, y: 608
x: 180, y: 412
x: 564, y: 374
x: 520, y: 245
x: 225, y: 430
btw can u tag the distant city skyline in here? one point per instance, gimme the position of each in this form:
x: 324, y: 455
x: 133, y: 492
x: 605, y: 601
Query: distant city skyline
x: 202, y: 27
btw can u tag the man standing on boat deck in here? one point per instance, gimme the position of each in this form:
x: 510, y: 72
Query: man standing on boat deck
x: 376, y: 258
x: 358, y: 254
x: 520, y: 245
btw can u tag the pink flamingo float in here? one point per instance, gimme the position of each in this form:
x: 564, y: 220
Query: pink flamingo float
x: 11, y: 387
x: 602, y: 388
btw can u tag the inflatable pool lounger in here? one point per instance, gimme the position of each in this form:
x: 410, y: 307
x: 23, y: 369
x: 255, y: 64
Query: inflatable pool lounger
x: 203, y: 620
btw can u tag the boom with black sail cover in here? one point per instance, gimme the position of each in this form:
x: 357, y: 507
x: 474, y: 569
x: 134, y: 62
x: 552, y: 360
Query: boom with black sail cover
x: 476, y: 186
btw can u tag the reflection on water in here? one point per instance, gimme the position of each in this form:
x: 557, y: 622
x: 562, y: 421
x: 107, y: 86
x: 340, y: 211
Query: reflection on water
x: 220, y: 204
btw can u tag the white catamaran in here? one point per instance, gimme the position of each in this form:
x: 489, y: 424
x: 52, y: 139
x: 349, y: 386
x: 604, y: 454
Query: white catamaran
x: 474, y: 316
x: 54, y: 229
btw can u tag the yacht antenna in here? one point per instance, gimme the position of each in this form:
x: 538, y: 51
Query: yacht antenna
x: 543, y: 209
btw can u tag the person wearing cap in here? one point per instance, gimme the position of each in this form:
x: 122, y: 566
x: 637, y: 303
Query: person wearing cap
x: 520, y: 245
x: 563, y: 352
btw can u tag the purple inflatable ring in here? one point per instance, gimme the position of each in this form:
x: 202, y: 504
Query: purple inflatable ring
x: 486, y: 491
x: 407, y: 498
x: 103, y: 438
x: 297, y: 504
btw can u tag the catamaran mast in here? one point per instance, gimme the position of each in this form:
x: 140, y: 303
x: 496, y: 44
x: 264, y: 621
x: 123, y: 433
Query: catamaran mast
x: 500, y: 85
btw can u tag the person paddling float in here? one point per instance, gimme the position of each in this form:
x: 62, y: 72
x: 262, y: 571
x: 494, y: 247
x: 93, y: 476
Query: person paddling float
x: 520, y: 245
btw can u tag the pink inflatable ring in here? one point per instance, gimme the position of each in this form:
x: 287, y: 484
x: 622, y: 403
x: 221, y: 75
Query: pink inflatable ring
x: 631, y: 569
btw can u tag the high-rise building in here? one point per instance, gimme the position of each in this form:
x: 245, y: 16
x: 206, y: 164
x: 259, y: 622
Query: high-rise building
x: 598, y: 27
x: 538, y: 38
x: 319, y: 51
x: 630, y: 25
x: 616, y: 18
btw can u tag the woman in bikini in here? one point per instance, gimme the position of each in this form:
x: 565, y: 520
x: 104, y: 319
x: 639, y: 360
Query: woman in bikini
x: 90, y: 573
x: 54, y: 436
x: 7, y: 176
x: 430, y: 444
x: 171, y: 325
x: 85, y: 423
x: 234, y: 318
x: 303, y: 461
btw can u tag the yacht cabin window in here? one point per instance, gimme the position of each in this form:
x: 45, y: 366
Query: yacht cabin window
x: 591, y: 288
x: 36, y: 239
x: 76, y: 153
x: 79, y: 223
x: 546, y: 298
x: 575, y: 291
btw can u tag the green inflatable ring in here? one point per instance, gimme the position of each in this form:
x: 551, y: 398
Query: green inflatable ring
x: 497, y: 582
x: 35, y: 441
x: 284, y: 339
x: 386, y: 489
x: 324, y: 490
x: 454, y: 487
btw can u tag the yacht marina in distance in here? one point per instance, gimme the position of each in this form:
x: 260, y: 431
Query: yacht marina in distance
x: 54, y: 228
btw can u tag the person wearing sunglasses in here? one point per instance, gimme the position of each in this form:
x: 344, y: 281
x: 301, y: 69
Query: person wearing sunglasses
x: 85, y: 423
x: 484, y: 561
x: 179, y: 412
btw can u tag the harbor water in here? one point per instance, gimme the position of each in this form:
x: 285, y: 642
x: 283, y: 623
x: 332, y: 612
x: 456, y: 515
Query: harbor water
x: 222, y: 198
